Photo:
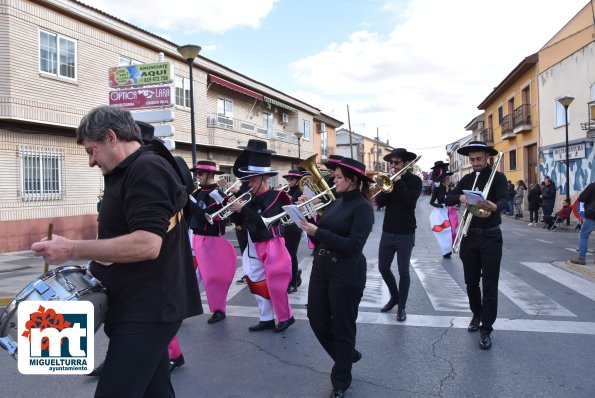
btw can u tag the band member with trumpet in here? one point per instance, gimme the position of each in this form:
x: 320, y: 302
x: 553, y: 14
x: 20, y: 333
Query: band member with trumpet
x: 142, y: 254
x: 481, y: 248
x: 443, y: 219
x: 338, y: 275
x: 265, y: 261
x: 293, y: 233
x: 215, y: 256
x: 398, y: 228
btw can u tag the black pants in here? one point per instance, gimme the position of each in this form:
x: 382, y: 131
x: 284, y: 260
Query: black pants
x: 292, y: 243
x: 242, y: 236
x: 481, y: 254
x: 402, y: 245
x: 137, y: 362
x: 336, y: 288
x: 534, y: 214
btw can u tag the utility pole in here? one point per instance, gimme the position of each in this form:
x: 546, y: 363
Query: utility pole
x: 349, y: 125
x: 377, y: 165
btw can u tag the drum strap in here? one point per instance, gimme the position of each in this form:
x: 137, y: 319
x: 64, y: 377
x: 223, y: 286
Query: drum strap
x: 173, y: 221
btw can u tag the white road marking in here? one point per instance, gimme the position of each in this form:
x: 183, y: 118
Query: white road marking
x: 575, y: 251
x: 527, y: 298
x: 544, y: 241
x: 442, y: 290
x: 571, y: 281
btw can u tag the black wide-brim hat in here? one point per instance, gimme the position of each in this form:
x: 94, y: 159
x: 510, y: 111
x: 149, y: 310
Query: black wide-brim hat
x: 208, y: 166
x: 356, y: 166
x: 440, y: 174
x: 293, y: 174
x: 332, y: 161
x: 440, y: 165
x: 147, y: 131
x: 256, y: 164
x: 476, y: 146
x: 257, y: 146
x: 401, y: 153
x: 254, y: 146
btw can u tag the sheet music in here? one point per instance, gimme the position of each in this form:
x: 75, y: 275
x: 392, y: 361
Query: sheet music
x: 295, y: 214
x: 216, y: 196
x: 474, y: 197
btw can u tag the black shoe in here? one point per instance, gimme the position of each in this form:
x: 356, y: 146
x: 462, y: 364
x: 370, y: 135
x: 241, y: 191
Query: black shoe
x: 216, y: 317
x: 485, y: 342
x: 176, y: 363
x: 281, y: 326
x: 401, y: 314
x: 291, y: 289
x: 357, y: 356
x: 338, y: 393
x: 262, y: 325
x: 299, y: 278
x: 474, y: 324
x: 97, y: 371
x: 390, y: 305
x: 241, y: 281
x: 447, y: 255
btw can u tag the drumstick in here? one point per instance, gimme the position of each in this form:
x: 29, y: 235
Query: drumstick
x: 46, y: 266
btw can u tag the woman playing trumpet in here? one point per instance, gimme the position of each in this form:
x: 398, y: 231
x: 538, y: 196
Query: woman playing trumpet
x: 338, y: 273
x: 215, y: 256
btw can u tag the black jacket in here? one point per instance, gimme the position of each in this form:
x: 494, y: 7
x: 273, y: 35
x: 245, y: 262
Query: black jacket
x: 548, y: 195
x: 438, y: 196
x: 588, y: 198
x: 206, y: 205
x: 399, y: 217
x: 534, y: 198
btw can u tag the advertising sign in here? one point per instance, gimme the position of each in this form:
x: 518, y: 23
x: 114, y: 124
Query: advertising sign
x: 138, y: 75
x: 576, y: 151
x: 141, y: 97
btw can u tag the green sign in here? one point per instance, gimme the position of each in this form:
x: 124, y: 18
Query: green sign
x: 139, y: 75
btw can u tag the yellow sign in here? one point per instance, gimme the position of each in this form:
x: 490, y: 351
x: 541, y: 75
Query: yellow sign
x: 139, y: 75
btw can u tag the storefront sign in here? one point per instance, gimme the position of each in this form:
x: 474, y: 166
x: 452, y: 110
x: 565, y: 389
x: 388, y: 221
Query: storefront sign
x: 138, y: 75
x: 141, y: 97
x: 575, y: 151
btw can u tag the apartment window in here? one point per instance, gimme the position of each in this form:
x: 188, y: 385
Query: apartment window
x: 500, y: 115
x: 512, y: 159
x: 225, y: 107
x: 41, y: 173
x: 57, y: 55
x: 127, y: 62
x: 268, y: 124
x: 306, y: 129
x: 182, y: 92
x: 560, y: 115
x: 324, y: 144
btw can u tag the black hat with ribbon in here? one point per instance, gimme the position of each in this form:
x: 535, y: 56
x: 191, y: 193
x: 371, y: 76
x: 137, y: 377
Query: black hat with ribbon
x: 356, y: 166
x: 400, y: 153
x: 332, y: 161
x: 254, y: 149
x: 293, y: 174
x: 147, y: 131
x: 206, y: 165
x: 440, y: 171
x: 476, y: 146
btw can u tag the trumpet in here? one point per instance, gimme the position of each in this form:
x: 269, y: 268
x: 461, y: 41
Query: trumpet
x: 472, y: 210
x: 225, y: 212
x: 235, y: 184
x: 308, y: 209
x: 386, y: 184
x: 284, y: 188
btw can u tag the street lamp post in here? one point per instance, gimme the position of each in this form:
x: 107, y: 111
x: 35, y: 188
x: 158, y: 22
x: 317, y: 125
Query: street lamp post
x: 565, y: 102
x: 299, y: 136
x: 190, y: 52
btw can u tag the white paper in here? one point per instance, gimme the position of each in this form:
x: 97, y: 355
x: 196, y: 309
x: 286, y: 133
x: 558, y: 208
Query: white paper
x: 216, y: 196
x: 474, y: 197
x: 295, y: 214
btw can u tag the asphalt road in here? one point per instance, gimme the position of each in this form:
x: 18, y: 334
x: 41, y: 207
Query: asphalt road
x: 543, y: 343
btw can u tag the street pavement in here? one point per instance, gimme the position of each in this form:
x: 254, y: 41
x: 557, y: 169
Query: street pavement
x: 544, y: 338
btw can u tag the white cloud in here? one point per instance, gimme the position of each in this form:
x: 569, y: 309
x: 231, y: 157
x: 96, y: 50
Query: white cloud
x: 188, y: 16
x: 421, y: 83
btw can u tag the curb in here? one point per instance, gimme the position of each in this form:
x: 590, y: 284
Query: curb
x: 4, y: 300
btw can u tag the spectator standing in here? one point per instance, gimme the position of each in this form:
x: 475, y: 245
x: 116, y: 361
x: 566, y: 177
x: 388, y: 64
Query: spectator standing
x: 548, y: 197
x: 518, y: 198
x: 511, y: 192
x: 588, y: 198
x: 534, y: 199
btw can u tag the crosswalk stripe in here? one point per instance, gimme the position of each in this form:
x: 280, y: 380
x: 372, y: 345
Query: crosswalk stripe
x: 544, y: 241
x: 444, y: 293
x: 527, y: 298
x: 565, y: 278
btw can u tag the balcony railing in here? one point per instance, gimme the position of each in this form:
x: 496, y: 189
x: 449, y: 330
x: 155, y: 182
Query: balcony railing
x: 588, y: 126
x: 522, y: 118
x: 506, y: 127
x: 216, y: 120
x: 487, y: 136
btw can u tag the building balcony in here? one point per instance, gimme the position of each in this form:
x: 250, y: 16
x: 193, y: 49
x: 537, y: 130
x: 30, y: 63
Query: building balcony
x: 588, y: 126
x: 487, y: 136
x: 506, y: 127
x: 522, y: 120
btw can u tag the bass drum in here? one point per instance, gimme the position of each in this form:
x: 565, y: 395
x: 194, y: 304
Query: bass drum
x: 66, y: 283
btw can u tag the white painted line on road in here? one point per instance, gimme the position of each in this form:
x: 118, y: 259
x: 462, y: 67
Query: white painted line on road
x: 544, y: 241
x: 443, y: 291
x: 574, y: 250
x: 518, y: 233
x: 440, y: 321
x: 571, y: 281
x: 527, y: 298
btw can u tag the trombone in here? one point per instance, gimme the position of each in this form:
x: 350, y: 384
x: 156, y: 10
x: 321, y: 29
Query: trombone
x: 473, y: 210
x: 386, y: 184
x: 225, y: 212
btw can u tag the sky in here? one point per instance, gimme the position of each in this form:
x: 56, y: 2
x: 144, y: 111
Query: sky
x: 413, y: 70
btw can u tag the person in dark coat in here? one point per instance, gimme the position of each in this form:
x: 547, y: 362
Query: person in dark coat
x: 548, y: 197
x: 534, y: 199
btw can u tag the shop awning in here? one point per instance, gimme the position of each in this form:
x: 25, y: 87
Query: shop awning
x: 235, y: 87
x: 279, y: 104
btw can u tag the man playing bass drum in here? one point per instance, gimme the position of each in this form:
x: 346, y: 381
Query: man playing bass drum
x: 481, y: 248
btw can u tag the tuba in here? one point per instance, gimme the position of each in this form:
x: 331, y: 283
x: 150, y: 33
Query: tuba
x: 315, y: 181
x: 473, y: 210
x: 385, y: 184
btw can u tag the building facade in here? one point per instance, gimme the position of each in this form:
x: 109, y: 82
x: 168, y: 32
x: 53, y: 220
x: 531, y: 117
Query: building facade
x: 56, y: 55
